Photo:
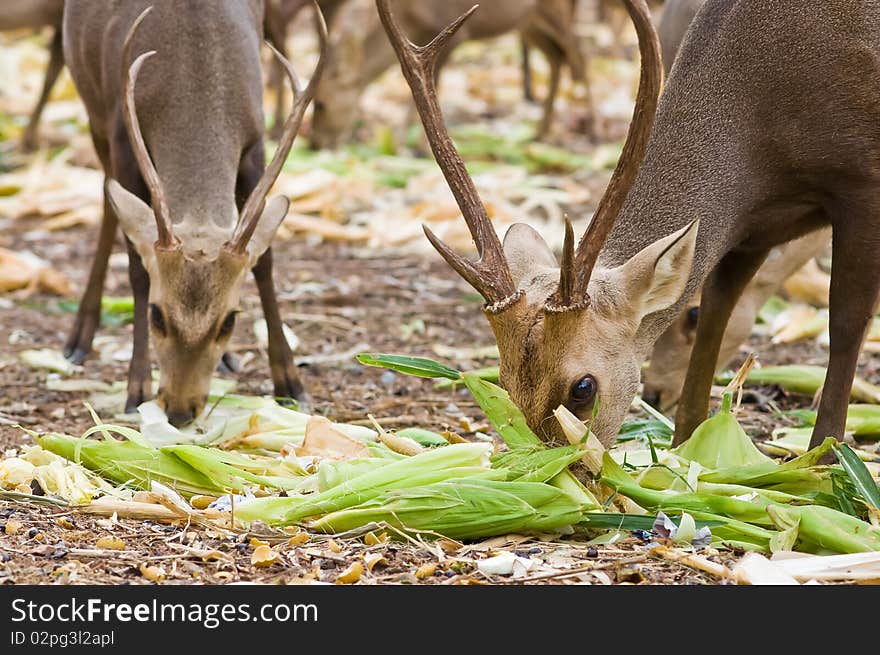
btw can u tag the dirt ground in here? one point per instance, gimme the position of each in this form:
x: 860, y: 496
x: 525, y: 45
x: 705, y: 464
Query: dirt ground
x: 339, y: 298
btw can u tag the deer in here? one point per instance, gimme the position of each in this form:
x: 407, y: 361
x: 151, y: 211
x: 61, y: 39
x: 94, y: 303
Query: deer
x: 361, y: 53
x: 278, y: 17
x: 712, y: 176
x: 179, y: 133
x: 664, y: 377
x: 674, y: 22
x: 35, y: 14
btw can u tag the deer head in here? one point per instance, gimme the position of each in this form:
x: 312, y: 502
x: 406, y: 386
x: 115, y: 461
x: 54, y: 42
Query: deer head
x: 195, y: 283
x: 566, y: 331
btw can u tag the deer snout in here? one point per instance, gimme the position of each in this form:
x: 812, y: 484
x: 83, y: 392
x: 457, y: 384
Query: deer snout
x: 652, y: 397
x: 180, y: 417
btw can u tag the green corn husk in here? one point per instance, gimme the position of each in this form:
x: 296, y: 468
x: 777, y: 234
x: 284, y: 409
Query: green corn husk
x: 807, y: 380
x: 720, y: 442
x: 229, y: 469
x: 127, y: 462
x: 536, y: 465
x: 822, y: 529
x: 750, y: 511
x: 504, y: 415
x: 423, y: 437
x: 456, y: 460
x: 858, y: 473
x: 418, y: 366
x: 489, y: 373
x: 862, y: 420
x: 463, y: 509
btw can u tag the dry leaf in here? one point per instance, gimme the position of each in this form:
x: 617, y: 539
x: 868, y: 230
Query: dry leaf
x: 374, y: 559
x: 426, y: 570
x: 351, y: 574
x: 373, y: 539
x: 263, y: 556
x: 110, y: 543
x: 334, y: 546
x: 299, y: 538
x: 323, y: 440
x: 153, y: 573
x: 18, y: 271
x: 13, y: 527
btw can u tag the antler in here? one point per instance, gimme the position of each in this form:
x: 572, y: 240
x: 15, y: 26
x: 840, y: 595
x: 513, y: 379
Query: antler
x: 490, y: 274
x: 579, y: 268
x: 253, y: 208
x: 165, y: 235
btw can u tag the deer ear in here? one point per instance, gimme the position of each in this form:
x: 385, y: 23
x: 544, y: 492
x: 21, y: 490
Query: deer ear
x: 273, y: 214
x: 135, y: 217
x: 656, y: 277
x: 526, y: 251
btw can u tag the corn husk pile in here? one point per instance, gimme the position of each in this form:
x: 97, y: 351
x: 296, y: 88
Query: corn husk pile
x: 252, y: 461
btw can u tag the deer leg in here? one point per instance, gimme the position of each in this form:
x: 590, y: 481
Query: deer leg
x: 280, y: 99
x: 528, y: 89
x: 56, y: 63
x: 855, y: 287
x: 88, y: 316
x: 721, y: 292
x: 140, y: 382
x: 284, y: 374
x: 550, y: 99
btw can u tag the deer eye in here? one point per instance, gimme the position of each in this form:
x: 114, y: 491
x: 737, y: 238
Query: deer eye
x: 226, y: 327
x: 157, y: 320
x: 693, y: 315
x: 583, y: 392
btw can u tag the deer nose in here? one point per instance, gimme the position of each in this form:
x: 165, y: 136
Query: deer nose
x: 652, y: 398
x: 180, y: 417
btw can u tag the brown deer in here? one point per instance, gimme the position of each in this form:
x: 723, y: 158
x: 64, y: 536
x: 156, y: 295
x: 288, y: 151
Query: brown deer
x: 279, y: 16
x: 663, y: 379
x: 19, y: 14
x: 181, y: 143
x: 746, y: 152
x: 677, y: 17
x: 361, y: 52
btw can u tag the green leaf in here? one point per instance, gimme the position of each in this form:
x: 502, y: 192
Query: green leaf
x: 418, y: 366
x: 504, y: 415
x: 859, y: 474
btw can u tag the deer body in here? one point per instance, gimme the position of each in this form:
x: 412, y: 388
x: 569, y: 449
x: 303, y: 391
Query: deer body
x: 361, y: 50
x: 768, y: 129
x: 183, y: 154
x: 19, y: 14
x: 677, y: 17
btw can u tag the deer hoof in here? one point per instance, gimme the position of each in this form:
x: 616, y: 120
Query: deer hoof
x: 228, y: 364
x: 76, y: 354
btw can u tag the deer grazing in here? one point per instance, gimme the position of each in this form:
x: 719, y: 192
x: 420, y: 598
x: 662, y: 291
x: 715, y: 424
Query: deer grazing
x: 711, y: 178
x: 174, y: 97
x: 361, y: 52
x: 19, y: 14
x: 663, y: 379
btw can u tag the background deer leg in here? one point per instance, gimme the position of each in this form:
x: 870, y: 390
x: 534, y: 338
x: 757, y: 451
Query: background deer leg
x: 88, y: 316
x: 284, y: 374
x: 721, y: 291
x: 140, y: 381
x: 528, y: 89
x: 855, y: 285
x: 554, y: 59
x: 56, y: 63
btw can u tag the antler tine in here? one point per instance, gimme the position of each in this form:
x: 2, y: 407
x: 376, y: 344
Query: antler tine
x: 250, y: 213
x: 490, y: 274
x: 165, y: 235
x: 633, y: 150
x: 563, y: 298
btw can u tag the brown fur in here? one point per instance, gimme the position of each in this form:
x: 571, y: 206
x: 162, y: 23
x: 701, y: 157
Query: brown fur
x: 199, y: 104
x: 361, y: 51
